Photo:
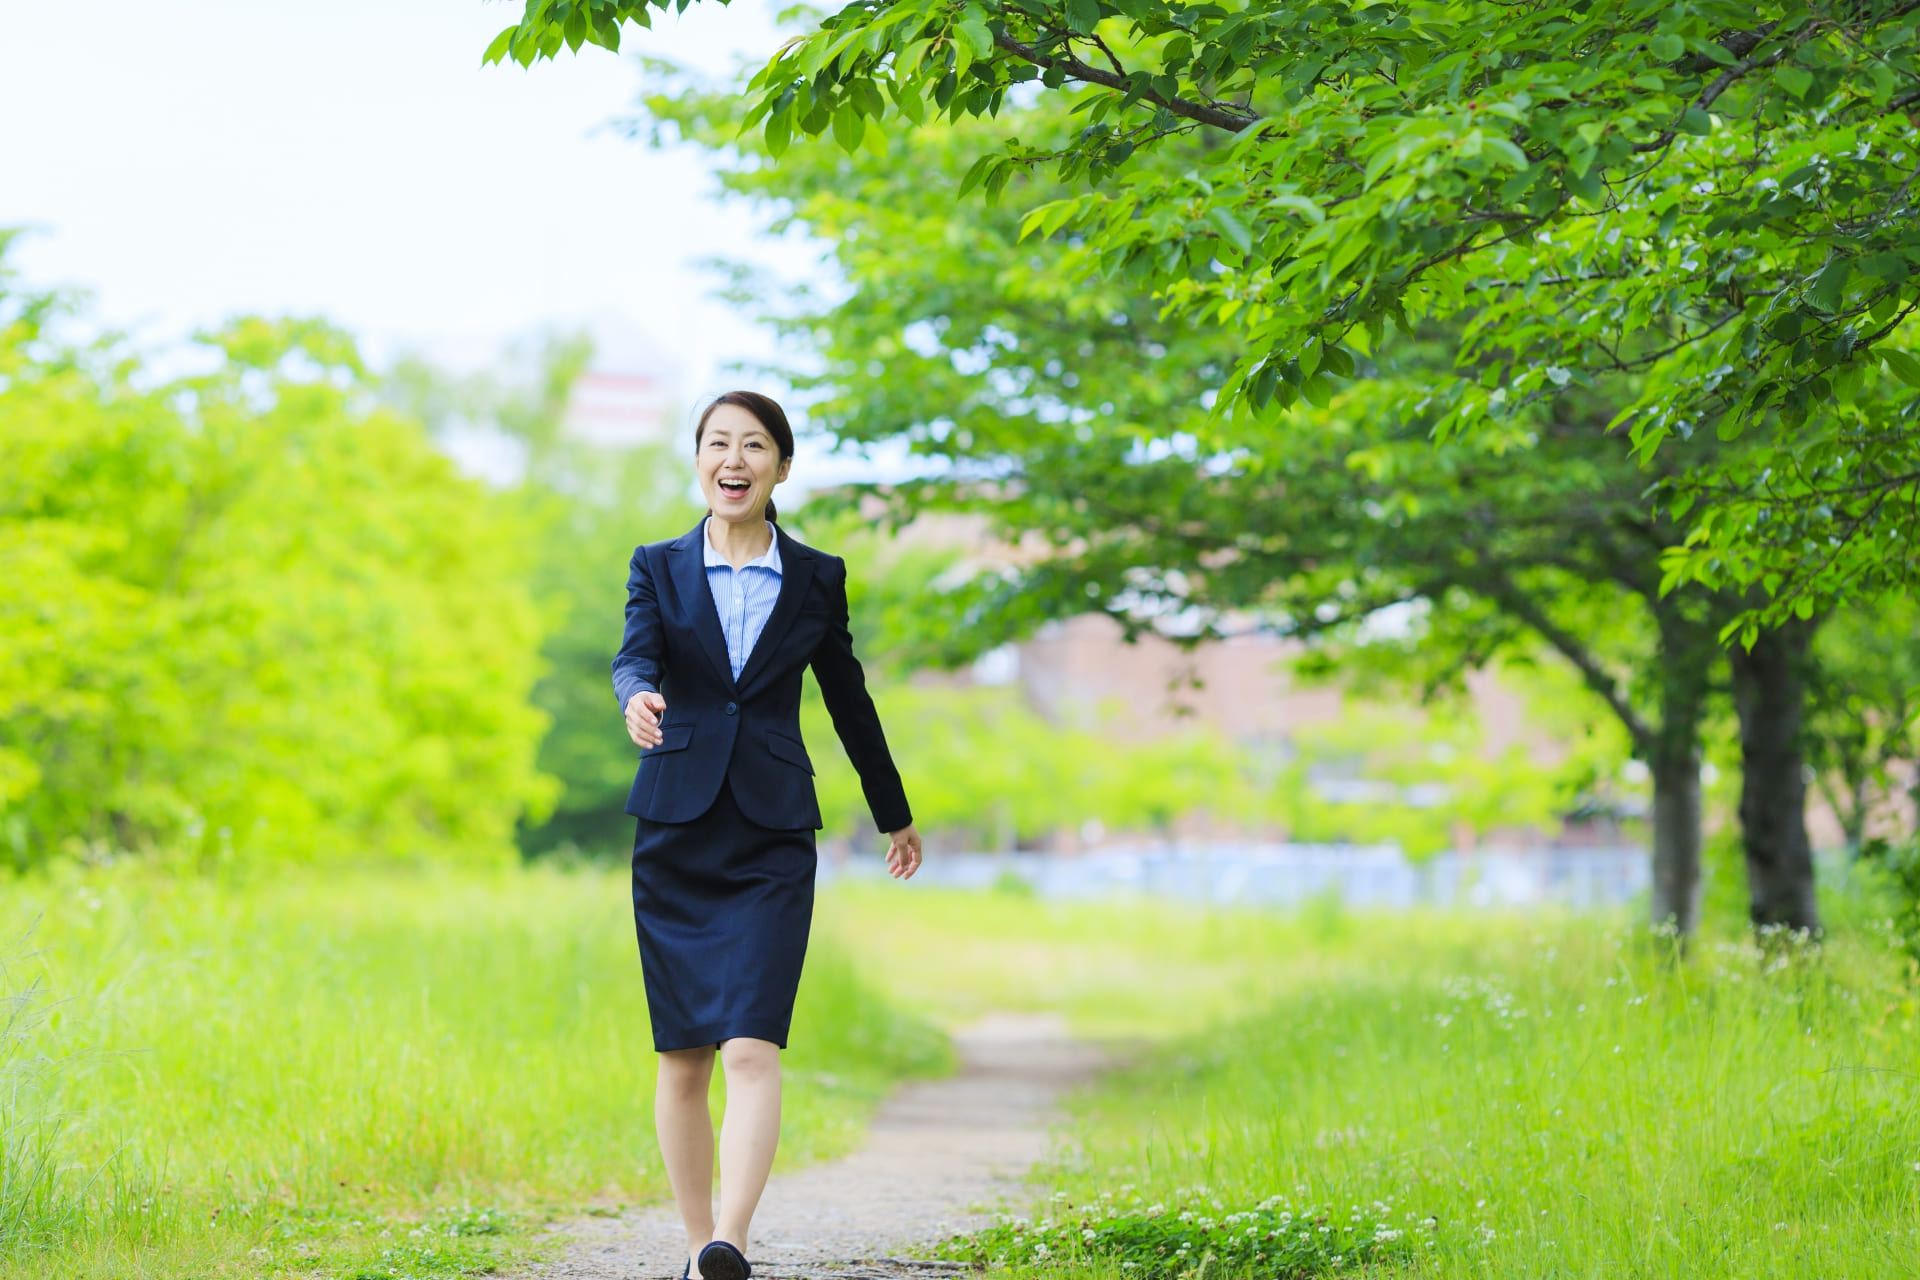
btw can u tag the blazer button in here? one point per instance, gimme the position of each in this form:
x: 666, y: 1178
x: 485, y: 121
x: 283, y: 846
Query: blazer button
x: 732, y: 708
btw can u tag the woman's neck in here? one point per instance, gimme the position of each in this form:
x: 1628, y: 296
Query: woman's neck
x: 740, y: 541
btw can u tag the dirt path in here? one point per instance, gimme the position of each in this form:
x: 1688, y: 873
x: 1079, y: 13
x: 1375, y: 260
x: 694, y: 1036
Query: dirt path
x: 937, y: 1154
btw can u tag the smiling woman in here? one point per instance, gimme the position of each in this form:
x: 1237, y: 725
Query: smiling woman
x: 744, y: 447
x: 722, y: 623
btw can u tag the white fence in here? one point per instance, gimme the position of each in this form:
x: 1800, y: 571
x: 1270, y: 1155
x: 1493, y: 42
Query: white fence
x: 1287, y: 874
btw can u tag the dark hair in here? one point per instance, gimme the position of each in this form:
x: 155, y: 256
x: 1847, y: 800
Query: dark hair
x: 770, y: 415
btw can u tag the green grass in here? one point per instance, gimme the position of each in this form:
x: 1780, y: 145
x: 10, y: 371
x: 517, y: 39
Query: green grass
x: 1126, y: 969
x: 1490, y: 1096
x: 1558, y: 1102
x: 354, y: 1073
x: 382, y: 1075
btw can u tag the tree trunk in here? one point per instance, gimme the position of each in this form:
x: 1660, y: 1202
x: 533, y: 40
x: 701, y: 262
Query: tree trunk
x: 1676, y: 839
x: 1770, y: 696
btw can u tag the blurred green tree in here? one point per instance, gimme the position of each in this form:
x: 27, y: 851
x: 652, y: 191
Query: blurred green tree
x: 1861, y: 724
x: 584, y: 507
x: 249, y: 611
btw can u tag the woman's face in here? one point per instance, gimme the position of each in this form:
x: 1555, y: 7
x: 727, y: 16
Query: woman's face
x: 738, y: 463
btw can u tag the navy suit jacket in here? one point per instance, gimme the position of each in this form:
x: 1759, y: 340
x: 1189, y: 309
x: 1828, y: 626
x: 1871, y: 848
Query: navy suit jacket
x: 746, y: 731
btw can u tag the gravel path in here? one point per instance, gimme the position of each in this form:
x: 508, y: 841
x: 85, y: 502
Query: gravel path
x: 938, y: 1157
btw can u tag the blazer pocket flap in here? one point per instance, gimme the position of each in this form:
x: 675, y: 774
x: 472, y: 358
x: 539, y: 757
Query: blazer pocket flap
x: 785, y: 748
x: 673, y: 737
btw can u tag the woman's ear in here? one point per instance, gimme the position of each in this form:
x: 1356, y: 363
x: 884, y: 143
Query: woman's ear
x: 786, y: 465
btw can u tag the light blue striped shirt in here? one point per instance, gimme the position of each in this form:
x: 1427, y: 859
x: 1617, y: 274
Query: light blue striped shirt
x: 744, y: 599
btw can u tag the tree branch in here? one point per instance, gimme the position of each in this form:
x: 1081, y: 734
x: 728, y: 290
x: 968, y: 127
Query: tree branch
x: 1217, y: 115
x: 1596, y: 677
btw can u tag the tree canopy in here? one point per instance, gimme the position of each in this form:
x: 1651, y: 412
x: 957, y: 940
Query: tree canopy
x: 1068, y: 413
x: 249, y: 610
x: 1706, y: 205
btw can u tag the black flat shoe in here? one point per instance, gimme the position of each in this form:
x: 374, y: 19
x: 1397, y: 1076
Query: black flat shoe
x: 721, y: 1261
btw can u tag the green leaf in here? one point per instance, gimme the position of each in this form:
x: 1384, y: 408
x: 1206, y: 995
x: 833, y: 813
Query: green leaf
x: 1902, y: 365
x: 1795, y: 80
x: 1506, y: 150
x: 997, y: 180
x: 779, y: 132
x: 1260, y: 389
x: 1668, y: 47
x: 498, y: 49
x: 975, y: 172
x: 1301, y: 205
x: 1586, y: 187
x: 1231, y: 227
x: 1696, y: 122
x: 1083, y: 15
x: 907, y: 98
x: 1830, y: 290
x: 849, y: 126
x: 972, y: 31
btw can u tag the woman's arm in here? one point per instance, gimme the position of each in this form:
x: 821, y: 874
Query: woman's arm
x: 636, y: 668
x: 844, y: 685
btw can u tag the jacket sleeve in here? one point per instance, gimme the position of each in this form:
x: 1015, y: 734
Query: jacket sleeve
x: 844, y: 686
x: 637, y: 666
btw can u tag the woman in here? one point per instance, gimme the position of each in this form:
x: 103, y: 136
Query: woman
x: 721, y: 622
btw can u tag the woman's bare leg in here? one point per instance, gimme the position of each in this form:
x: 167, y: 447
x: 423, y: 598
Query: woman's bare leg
x: 749, y: 1133
x: 684, y: 1124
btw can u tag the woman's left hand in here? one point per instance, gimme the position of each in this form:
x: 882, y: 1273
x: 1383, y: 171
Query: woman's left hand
x: 903, y: 854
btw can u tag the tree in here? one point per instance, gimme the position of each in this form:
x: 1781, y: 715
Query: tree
x: 1860, y: 725
x: 584, y: 508
x: 1069, y: 413
x: 248, y: 612
x: 1702, y: 209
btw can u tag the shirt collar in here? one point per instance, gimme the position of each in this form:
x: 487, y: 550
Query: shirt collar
x: 770, y: 561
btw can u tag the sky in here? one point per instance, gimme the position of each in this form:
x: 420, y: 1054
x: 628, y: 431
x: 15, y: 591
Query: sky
x: 184, y: 161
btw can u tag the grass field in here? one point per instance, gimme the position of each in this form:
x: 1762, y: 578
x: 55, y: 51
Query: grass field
x: 358, y: 1074
x: 1461, y: 1095
x: 368, y: 1076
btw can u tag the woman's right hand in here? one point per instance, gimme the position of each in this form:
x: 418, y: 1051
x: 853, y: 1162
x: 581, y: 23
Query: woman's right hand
x: 643, y: 718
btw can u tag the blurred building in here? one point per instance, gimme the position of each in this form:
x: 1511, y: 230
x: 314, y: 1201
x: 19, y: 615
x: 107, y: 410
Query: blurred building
x: 1083, y: 673
x: 629, y: 394
x: 616, y: 407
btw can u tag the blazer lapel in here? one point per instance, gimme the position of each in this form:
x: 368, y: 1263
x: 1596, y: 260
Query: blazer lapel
x: 796, y: 575
x: 689, y: 568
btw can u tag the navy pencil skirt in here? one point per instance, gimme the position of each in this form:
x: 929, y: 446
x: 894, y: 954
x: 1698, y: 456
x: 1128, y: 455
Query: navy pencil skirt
x: 722, y: 908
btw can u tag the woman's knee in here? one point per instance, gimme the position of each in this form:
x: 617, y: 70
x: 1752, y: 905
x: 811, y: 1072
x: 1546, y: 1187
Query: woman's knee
x: 747, y: 1060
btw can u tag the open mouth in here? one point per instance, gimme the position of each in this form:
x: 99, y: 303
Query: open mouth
x: 735, y: 488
